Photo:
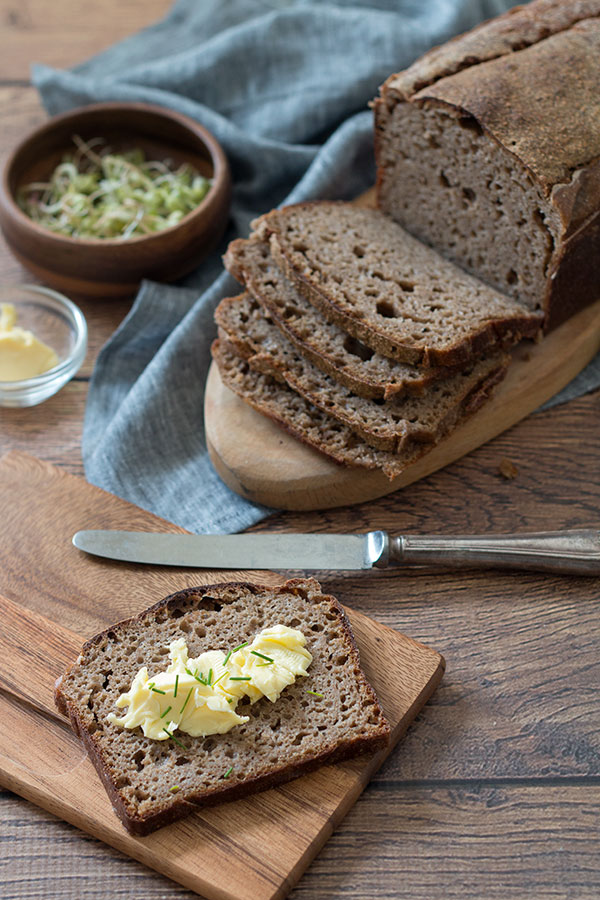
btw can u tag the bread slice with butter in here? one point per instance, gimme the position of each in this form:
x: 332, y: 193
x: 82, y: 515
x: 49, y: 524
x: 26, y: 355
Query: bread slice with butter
x: 328, y: 714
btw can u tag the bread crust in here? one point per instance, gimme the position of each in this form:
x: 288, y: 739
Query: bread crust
x: 178, y: 805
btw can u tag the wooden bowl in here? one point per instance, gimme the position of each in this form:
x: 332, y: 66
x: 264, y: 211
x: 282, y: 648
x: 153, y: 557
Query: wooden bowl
x: 111, y: 267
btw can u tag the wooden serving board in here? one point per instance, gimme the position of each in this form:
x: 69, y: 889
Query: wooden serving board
x: 52, y: 597
x: 260, y: 461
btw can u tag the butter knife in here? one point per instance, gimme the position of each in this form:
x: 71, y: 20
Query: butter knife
x: 567, y: 552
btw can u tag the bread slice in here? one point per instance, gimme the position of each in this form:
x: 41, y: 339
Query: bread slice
x: 487, y: 149
x: 364, y: 272
x: 284, y: 739
x: 330, y: 348
x: 386, y: 425
x: 305, y: 422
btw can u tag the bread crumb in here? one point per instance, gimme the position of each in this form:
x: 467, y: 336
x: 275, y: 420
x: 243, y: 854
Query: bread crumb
x: 508, y: 469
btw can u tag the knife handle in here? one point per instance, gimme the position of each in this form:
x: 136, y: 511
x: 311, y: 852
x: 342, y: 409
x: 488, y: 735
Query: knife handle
x: 565, y: 552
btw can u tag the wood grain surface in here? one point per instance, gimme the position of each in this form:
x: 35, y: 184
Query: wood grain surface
x: 494, y: 793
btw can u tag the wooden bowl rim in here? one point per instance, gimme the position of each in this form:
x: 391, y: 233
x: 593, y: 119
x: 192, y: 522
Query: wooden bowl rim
x: 220, y: 180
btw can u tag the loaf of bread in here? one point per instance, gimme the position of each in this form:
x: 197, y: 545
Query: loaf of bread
x: 364, y: 272
x: 387, y: 425
x: 330, y: 348
x: 488, y: 150
x: 330, y: 714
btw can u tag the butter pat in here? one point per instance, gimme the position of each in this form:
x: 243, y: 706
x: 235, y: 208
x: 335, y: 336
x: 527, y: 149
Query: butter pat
x: 22, y: 355
x: 198, y: 696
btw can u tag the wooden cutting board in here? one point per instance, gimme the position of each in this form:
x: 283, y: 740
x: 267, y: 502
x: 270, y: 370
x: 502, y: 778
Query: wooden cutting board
x: 263, y: 463
x: 52, y: 597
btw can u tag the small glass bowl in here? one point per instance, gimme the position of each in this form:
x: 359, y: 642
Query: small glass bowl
x: 58, y: 323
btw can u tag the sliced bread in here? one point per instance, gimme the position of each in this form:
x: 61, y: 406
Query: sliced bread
x: 281, y: 740
x: 385, y: 288
x: 386, y: 425
x: 334, y: 351
x: 487, y: 149
x: 305, y: 422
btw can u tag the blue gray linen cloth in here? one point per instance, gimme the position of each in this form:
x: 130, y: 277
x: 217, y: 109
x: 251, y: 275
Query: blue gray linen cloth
x: 284, y: 85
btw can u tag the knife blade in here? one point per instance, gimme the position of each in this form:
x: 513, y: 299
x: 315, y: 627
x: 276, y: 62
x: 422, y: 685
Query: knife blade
x: 564, y: 552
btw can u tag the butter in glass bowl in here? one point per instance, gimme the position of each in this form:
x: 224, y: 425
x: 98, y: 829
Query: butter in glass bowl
x: 43, y: 342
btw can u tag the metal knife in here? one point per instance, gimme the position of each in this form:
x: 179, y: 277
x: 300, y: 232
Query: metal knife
x: 568, y: 552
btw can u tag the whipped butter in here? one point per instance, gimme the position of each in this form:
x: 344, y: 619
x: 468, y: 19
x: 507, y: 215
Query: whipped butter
x: 198, y: 696
x: 22, y: 355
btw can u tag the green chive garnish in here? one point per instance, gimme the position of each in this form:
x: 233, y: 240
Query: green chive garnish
x: 235, y: 650
x: 173, y: 738
x: 228, y: 772
x: 315, y: 693
x: 167, y: 710
x: 240, y: 678
x: 262, y: 656
x: 174, y: 789
x: 219, y: 678
x: 209, y: 679
x: 176, y: 683
x: 156, y: 690
x: 230, y: 699
x: 186, y: 700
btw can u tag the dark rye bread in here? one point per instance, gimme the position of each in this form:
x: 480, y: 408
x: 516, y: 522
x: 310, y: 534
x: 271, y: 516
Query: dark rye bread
x: 305, y: 422
x: 386, y: 425
x: 364, y: 272
x: 488, y: 149
x: 282, y: 740
x: 334, y: 351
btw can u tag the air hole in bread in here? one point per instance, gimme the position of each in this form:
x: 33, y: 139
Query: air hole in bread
x: 468, y: 194
x: 443, y: 180
x: 358, y: 251
x: 511, y: 277
x: 181, y: 761
x: 138, y: 759
x: 469, y: 123
x: 356, y: 348
x: 386, y: 310
x: 209, y: 603
x: 407, y: 286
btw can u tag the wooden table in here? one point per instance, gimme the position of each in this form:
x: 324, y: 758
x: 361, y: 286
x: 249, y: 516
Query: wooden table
x: 494, y: 793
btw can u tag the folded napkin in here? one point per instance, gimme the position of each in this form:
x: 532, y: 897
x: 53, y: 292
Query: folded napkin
x: 284, y: 85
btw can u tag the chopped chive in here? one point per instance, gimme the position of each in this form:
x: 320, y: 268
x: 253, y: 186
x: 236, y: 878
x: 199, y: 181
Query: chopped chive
x: 167, y: 710
x: 209, y: 679
x: 240, y: 678
x: 174, y: 789
x: 150, y: 685
x: 235, y: 650
x: 262, y: 656
x: 315, y: 693
x: 156, y: 691
x: 173, y: 738
x: 228, y: 772
x: 176, y: 683
x: 190, y: 692
x: 230, y: 699
x: 223, y: 674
